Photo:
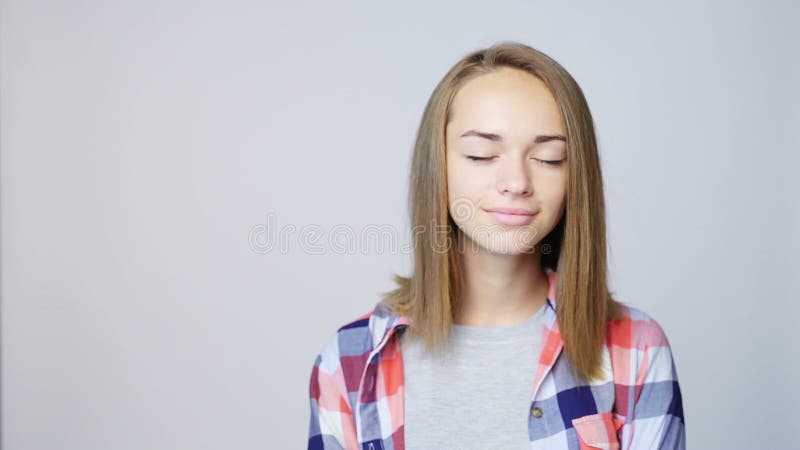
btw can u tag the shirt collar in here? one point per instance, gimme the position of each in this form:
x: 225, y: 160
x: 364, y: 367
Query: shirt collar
x: 388, y: 321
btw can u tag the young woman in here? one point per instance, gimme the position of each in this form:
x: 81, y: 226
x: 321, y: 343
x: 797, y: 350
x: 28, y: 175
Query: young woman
x: 505, y: 336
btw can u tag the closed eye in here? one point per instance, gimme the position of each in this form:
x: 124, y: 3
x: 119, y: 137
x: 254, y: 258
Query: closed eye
x: 480, y: 158
x: 555, y: 162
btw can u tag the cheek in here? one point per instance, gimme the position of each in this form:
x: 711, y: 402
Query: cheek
x: 555, y: 183
x: 463, y: 193
x: 452, y: 184
x: 458, y: 181
x: 553, y: 195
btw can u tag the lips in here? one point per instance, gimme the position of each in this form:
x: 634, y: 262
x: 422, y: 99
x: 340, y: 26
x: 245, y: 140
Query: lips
x: 512, y: 216
x: 519, y: 211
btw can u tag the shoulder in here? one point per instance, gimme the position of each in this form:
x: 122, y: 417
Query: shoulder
x: 636, y: 329
x: 352, y: 342
x: 640, y: 351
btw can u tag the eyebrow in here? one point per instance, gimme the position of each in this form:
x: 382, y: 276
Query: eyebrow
x: 497, y: 138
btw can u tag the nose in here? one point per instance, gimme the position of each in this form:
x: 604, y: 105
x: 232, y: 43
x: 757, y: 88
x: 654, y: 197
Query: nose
x: 514, y: 179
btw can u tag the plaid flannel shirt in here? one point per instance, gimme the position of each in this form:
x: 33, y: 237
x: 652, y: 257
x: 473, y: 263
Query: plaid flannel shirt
x: 357, y: 402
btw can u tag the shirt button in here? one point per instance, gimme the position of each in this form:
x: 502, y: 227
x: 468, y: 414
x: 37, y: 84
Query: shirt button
x: 536, y: 412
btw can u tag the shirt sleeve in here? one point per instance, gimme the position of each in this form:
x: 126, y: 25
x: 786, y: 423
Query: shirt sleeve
x: 331, y: 420
x: 656, y: 421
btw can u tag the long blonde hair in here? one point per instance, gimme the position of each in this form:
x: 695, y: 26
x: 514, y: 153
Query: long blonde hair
x: 430, y: 296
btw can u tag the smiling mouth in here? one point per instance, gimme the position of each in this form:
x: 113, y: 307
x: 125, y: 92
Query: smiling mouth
x: 512, y: 219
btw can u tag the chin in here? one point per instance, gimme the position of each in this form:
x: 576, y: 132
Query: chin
x: 499, y: 244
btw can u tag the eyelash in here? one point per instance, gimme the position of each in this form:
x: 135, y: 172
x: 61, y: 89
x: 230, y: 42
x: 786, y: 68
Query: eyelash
x: 543, y: 161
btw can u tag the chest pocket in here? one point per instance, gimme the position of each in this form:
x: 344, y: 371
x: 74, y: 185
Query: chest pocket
x: 598, y: 431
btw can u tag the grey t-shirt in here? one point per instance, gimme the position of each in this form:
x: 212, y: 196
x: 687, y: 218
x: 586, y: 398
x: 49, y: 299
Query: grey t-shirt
x: 478, y: 395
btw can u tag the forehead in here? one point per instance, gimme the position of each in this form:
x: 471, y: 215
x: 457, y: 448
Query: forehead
x: 506, y: 100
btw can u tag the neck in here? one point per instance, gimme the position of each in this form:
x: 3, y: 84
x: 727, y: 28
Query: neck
x: 500, y: 290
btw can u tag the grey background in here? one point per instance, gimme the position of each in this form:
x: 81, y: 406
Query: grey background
x: 145, y: 143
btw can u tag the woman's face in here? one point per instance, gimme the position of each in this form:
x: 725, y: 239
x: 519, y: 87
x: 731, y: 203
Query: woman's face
x: 510, y: 120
